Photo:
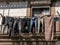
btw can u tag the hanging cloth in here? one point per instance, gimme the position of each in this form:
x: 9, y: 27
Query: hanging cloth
x: 49, y: 30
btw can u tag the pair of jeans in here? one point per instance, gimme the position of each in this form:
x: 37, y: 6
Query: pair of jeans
x: 25, y: 22
x: 35, y: 22
x: 40, y: 25
x: 17, y: 26
x: 5, y: 23
x: 10, y: 26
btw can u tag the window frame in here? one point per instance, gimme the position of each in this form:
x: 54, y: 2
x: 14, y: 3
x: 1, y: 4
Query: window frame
x: 40, y: 7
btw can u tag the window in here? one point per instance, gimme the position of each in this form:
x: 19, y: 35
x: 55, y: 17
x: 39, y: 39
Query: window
x: 46, y: 11
x: 40, y: 10
x: 36, y: 11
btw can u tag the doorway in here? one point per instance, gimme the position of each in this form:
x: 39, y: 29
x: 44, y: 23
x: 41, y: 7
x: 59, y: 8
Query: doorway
x: 38, y: 12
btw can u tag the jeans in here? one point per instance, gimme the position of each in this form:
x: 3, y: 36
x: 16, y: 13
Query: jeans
x: 10, y: 26
x: 25, y: 22
x: 5, y: 23
x: 13, y: 25
x: 17, y: 26
x: 8, y: 23
x: 35, y: 22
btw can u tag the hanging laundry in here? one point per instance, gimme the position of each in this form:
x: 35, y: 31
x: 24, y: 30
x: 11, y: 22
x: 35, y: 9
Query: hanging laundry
x: 17, y: 26
x: 5, y: 23
x: 10, y: 26
x: 40, y: 23
x: 13, y: 25
x: 25, y: 25
x: 26, y: 28
x: 34, y: 21
x: 49, y: 28
x: 1, y: 18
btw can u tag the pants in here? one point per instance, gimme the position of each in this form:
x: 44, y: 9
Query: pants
x: 5, y: 23
x: 17, y: 26
x: 10, y: 26
x: 8, y: 23
x: 40, y: 25
x: 35, y: 23
x: 25, y: 22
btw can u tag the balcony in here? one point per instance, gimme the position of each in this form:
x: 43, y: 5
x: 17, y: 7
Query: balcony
x: 5, y: 40
x: 25, y: 38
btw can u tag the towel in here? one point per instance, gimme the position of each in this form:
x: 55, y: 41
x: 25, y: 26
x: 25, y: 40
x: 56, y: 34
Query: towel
x: 49, y: 28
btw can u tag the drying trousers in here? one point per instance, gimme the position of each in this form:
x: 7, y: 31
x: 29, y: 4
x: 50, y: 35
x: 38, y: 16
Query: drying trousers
x: 35, y: 21
x: 25, y: 22
x: 40, y: 25
x: 4, y: 26
x: 17, y: 26
x: 49, y: 28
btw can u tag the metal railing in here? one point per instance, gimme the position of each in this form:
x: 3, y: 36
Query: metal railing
x: 29, y: 42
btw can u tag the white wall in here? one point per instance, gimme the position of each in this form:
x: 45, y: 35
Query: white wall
x: 14, y: 9
x: 18, y: 12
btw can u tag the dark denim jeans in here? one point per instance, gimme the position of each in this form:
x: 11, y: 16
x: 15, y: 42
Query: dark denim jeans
x: 17, y: 26
x: 5, y: 23
x: 25, y: 22
x: 10, y: 26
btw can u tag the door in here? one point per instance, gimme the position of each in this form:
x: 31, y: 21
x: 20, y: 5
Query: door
x: 38, y: 12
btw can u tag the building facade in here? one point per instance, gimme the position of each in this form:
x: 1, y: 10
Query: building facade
x: 33, y: 8
x: 30, y: 8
